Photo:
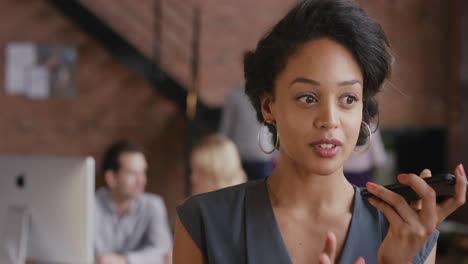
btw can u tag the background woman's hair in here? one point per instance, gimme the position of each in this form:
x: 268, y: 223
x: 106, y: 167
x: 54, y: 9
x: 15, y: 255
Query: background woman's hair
x: 340, y: 20
x: 219, y: 160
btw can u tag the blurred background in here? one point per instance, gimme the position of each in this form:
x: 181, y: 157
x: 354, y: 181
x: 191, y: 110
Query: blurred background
x: 157, y: 72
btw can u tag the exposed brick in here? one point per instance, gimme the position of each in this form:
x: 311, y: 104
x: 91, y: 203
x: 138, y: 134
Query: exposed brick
x: 113, y: 103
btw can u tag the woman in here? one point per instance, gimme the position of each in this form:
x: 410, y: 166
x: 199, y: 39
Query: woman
x: 313, y: 81
x: 215, y: 164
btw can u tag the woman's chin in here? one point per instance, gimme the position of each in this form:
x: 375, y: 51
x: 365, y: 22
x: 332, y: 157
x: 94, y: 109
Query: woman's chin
x: 324, y: 169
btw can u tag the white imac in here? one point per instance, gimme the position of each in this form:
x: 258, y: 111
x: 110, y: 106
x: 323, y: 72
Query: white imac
x: 46, y: 209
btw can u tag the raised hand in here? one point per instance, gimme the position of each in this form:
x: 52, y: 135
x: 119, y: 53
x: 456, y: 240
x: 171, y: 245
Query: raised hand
x: 412, y: 224
x: 329, y: 253
x: 111, y: 259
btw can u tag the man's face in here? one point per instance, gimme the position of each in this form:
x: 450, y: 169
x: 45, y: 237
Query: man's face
x: 130, y: 179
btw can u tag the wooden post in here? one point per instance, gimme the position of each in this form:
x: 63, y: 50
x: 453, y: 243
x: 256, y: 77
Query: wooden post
x: 457, y: 94
x: 453, y: 96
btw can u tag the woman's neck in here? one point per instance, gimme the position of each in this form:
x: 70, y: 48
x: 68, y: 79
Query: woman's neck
x: 293, y: 187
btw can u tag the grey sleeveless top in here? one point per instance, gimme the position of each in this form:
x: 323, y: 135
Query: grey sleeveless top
x: 237, y: 225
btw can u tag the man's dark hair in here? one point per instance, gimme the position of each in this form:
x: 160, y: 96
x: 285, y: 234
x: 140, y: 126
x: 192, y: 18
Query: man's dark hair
x: 111, y: 157
x: 340, y: 20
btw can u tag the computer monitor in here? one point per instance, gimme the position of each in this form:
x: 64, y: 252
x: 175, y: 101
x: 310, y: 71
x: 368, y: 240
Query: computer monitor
x: 46, y: 209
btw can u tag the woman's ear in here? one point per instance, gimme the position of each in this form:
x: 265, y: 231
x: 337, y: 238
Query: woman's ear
x: 266, y: 104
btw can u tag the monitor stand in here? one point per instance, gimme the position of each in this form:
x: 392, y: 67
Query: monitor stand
x: 14, y: 236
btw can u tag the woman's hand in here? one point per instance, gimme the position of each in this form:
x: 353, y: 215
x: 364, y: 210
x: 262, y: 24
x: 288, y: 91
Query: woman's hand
x: 412, y: 224
x: 329, y: 253
x: 111, y: 259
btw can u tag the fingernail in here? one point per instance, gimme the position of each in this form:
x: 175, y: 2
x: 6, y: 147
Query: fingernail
x: 371, y: 185
x: 323, y: 258
x: 462, y: 170
x: 402, y: 176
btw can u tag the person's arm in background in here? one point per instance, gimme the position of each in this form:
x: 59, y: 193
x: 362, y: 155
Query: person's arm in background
x: 158, y: 237
x: 185, y: 249
x: 378, y: 150
x: 228, y: 116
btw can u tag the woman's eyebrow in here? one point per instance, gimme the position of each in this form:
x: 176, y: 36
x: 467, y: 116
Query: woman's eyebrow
x: 350, y: 82
x: 314, y: 82
x: 304, y: 80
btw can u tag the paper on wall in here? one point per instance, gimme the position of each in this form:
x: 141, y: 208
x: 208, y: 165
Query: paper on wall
x: 38, y: 85
x: 19, y: 57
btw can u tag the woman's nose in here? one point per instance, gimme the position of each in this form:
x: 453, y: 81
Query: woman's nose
x: 327, y: 117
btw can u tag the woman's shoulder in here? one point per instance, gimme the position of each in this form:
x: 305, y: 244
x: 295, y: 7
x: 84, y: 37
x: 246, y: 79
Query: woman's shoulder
x: 212, y: 219
x: 225, y: 198
x: 369, y: 213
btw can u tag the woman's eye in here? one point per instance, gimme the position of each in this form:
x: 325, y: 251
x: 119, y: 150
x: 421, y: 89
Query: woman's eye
x: 349, y: 99
x: 308, y: 99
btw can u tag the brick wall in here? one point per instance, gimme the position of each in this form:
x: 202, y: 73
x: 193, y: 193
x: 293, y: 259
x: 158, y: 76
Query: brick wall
x: 134, y: 19
x: 229, y: 29
x: 113, y: 103
x: 415, y: 97
x: 169, y: 30
x: 417, y: 30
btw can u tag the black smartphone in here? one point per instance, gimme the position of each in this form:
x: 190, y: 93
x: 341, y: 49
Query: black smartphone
x: 443, y: 184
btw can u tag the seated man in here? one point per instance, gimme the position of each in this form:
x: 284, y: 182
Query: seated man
x: 131, y: 226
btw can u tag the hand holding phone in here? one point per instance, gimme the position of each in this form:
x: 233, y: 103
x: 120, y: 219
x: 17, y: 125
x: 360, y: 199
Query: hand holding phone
x: 443, y: 184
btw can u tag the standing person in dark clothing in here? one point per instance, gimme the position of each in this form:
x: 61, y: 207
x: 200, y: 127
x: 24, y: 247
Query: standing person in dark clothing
x: 239, y: 123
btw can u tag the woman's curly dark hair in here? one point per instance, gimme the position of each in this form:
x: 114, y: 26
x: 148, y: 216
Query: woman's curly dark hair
x: 340, y: 20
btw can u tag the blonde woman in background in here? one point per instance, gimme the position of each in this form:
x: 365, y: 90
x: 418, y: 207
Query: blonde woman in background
x: 215, y: 164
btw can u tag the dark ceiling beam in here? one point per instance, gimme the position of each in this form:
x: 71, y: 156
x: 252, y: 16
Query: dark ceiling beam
x: 119, y: 47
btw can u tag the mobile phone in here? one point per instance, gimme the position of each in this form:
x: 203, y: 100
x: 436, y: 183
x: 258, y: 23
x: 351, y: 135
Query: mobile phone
x: 443, y: 184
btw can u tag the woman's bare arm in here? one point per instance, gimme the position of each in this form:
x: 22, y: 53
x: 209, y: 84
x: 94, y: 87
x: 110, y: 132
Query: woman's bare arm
x: 431, y: 259
x: 185, y: 249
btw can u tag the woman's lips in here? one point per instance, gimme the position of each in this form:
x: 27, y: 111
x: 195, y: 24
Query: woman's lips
x: 325, y: 150
x: 327, y: 147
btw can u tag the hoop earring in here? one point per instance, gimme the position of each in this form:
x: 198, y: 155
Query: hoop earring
x: 260, y: 144
x: 370, y: 140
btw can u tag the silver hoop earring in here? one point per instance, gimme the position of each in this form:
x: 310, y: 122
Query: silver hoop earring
x: 260, y: 143
x: 370, y: 140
